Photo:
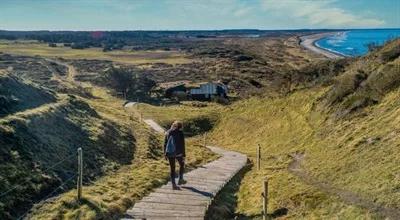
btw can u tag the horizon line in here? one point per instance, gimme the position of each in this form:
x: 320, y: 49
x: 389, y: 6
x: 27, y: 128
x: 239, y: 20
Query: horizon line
x: 182, y: 30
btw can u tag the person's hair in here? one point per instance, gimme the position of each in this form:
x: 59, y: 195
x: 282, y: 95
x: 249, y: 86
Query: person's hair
x: 177, y: 124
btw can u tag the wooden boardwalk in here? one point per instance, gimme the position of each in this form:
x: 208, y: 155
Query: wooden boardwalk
x: 154, y: 125
x: 192, y: 200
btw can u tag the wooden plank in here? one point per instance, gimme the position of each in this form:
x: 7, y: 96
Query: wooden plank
x: 193, y: 178
x: 165, y: 212
x: 200, y: 189
x: 164, y: 218
x: 196, y: 187
x: 182, y: 192
x: 212, y: 174
x: 178, y: 196
x: 193, y: 198
x: 162, y: 206
x: 179, y: 202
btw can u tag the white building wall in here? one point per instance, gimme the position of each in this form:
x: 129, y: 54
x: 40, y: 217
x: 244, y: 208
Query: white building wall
x: 208, y: 88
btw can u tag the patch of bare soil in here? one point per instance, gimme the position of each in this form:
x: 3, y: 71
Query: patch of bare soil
x: 346, y: 196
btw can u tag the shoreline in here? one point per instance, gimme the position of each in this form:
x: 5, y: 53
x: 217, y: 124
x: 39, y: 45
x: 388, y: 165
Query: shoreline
x: 309, y: 42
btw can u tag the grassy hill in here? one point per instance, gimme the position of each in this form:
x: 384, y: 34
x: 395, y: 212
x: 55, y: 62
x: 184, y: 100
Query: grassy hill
x: 326, y: 152
x: 320, y: 165
x: 38, y: 135
x: 17, y: 96
x: 46, y: 115
x: 328, y: 132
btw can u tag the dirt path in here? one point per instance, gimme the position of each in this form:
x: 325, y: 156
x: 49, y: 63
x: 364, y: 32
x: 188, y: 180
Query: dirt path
x: 348, y: 197
x: 71, y: 73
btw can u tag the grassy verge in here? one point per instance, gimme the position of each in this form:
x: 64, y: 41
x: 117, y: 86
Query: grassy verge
x: 342, y: 154
x: 284, y: 127
x: 196, y: 120
x: 111, y: 195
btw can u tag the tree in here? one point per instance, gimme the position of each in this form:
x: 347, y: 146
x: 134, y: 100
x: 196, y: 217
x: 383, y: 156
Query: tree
x: 121, y: 80
x: 142, y: 87
x: 130, y: 84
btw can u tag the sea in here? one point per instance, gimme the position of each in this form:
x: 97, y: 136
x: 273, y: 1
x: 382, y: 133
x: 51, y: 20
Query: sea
x: 354, y: 42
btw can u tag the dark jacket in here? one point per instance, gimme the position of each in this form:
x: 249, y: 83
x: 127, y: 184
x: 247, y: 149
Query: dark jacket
x: 179, y: 140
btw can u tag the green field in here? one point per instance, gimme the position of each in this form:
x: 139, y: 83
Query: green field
x: 31, y: 48
x: 325, y: 159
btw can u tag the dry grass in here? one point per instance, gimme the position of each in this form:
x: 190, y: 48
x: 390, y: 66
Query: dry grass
x: 30, y: 48
x: 339, y: 153
x: 184, y: 112
x: 358, y: 155
x: 110, y: 196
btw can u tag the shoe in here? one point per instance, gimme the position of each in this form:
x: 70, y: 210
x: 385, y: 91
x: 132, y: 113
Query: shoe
x: 182, y: 182
x: 175, y: 187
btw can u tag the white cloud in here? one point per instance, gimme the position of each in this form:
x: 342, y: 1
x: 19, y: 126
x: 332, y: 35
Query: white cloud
x: 242, y: 11
x: 321, y: 13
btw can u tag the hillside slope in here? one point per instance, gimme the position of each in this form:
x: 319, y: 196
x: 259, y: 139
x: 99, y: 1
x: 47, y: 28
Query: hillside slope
x: 45, y: 116
x: 328, y: 151
x: 35, y: 136
x: 17, y: 96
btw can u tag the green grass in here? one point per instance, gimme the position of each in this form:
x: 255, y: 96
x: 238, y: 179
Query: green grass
x: 30, y: 48
x: 345, y: 158
x: 342, y: 153
x: 43, y: 136
x: 111, y: 195
x: 358, y: 155
x: 196, y: 120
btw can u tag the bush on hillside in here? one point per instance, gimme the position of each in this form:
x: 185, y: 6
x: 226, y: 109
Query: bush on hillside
x: 365, y: 82
x: 6, y: 104
x: 391, y: 54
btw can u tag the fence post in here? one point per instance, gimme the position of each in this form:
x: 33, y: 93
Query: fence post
x: 80, y: 171
x: 265, y: 199
x: 258, y: 156
x: 137, y: 104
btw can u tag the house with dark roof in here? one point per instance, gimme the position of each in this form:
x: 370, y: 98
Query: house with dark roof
x: 195, y: 91
x: 208, y: 91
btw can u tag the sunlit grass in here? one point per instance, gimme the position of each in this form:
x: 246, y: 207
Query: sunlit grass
x: 122, y: 56
x: 358, y: 155
x: 110, y: 196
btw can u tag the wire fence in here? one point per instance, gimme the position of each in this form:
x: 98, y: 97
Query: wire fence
x: 28, y: 180
x: 65, y: 184
x: 56, y: 167
x: 51, y: 194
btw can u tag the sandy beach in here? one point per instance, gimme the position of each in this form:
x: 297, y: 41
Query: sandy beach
x: 309, y: 43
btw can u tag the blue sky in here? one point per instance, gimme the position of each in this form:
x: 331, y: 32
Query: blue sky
x: 196, y: 14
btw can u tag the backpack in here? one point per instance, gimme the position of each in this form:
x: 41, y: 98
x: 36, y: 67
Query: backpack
x: 170, y: 148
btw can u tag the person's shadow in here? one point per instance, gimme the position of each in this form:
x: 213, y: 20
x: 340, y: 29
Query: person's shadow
x: 197, y: 191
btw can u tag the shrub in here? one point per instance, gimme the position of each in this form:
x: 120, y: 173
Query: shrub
x: 391, y: 54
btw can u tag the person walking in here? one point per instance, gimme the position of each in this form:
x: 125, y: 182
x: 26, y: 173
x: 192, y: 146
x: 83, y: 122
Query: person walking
x: 174, y: 149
